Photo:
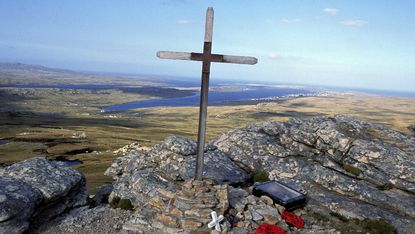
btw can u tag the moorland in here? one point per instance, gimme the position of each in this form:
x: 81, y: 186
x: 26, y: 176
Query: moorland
x: 68, y: 124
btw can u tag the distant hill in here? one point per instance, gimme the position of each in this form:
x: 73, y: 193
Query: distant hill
x: 28, y: 74
x: 30, y: 67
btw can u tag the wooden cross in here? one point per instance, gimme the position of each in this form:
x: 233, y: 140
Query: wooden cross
x: 206, y: 57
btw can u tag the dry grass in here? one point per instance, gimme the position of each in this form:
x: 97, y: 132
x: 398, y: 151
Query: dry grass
x: 34, y: 133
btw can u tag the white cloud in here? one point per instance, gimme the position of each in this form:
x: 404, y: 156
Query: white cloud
x: 291, y: 21
x: 183, y: 21
x: 272, y: 55
x: 331, y: 11
x: 284, y: 57
x: 354, y: 23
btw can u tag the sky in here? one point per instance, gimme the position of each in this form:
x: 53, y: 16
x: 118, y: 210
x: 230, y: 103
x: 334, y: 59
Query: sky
x: 349, y: 43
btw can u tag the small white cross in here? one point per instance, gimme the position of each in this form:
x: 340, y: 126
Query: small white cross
x: 215, y: 221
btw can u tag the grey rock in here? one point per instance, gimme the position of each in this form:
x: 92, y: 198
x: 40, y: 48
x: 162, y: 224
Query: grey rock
x: 237, y: 198
x: 103, y: 192
x: 412, y: 128
x: 247, y: 215
x: 177, y: 158
x: 238, y: 231
x: 17, y: 203
x: 349, y: 169
x: 100, y: 219
x: 217, y: 166
x: 179, y: 145
x: 140, y: 175
x: 267, y: 200
x: 140, y: 186
x: 51, y: 178
x: 126, y: 164
x: 334, y: 158
x: 255, y: 215
x: 36, y: 190
x: 269, y: 213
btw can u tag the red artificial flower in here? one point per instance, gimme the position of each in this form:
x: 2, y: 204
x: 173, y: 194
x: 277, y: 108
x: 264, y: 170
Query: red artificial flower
x: 292, y: 219
x: 269, y: 229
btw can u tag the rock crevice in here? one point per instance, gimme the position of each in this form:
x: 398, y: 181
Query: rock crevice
x: 349, y: 169
x: 353, y: 172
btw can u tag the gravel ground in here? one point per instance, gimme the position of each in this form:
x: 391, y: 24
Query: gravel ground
x: 101, y: 219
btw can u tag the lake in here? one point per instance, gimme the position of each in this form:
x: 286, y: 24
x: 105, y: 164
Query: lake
x: 69, y: 162
x: 215, y: 97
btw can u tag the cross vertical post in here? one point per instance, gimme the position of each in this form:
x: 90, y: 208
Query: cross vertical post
x: 206, y: 57
x: 204, y: 90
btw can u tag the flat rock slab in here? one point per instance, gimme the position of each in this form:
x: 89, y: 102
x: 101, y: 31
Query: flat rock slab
x: 176, y: 156
x: 35, y: 190
x: 17, y: 203
x: 51, y: 178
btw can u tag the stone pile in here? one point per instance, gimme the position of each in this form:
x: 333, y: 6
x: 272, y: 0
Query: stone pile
x: 190, y: 208
x: 351, y: 170
x: 140, y: 175
x: 247, y: 211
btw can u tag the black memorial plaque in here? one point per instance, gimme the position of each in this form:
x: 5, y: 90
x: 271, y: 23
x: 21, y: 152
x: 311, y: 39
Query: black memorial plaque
x: 280, y: 194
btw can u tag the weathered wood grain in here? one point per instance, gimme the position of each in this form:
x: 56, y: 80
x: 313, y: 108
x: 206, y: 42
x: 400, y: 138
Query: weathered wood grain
x: 209, y: 25
x: 218, y: 58
x: 239, y: 59
x: 174, y: 55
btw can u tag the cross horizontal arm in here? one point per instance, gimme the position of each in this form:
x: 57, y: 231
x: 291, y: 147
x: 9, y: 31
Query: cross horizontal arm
x: 218, y: 58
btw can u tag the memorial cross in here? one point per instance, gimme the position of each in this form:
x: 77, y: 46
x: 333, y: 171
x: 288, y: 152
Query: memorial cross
x: 206, y: 57
x: 216, y: 221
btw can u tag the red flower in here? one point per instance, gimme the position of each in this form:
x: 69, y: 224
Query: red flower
x: 269, y: 229
x: 292, y: 219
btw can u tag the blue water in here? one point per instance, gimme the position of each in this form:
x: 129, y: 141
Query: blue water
x: 69, y: 162
x: 2, y: 142
x: 215, y: 97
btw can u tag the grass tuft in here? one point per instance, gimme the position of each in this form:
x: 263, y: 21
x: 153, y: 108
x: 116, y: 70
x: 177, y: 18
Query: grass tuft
x: 379, y: 226
x: 125, y: 204
x: 351, y: 169
x: 260, y: 176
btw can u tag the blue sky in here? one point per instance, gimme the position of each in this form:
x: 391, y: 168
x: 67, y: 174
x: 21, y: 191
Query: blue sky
x: 353, y: 43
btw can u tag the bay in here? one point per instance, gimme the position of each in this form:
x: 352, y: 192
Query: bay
x: 215, y: 97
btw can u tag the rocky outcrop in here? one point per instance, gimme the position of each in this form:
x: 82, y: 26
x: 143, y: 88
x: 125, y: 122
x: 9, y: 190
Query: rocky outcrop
x: 348, y: 167
x: 35, y: 190
x: 186, y: 210
x: 131, y: 148
x: 141, y: 174
x: 351, y: 171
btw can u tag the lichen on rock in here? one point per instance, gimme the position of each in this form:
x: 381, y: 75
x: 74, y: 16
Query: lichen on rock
x: 357, y: 175
x: 36, y: 190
